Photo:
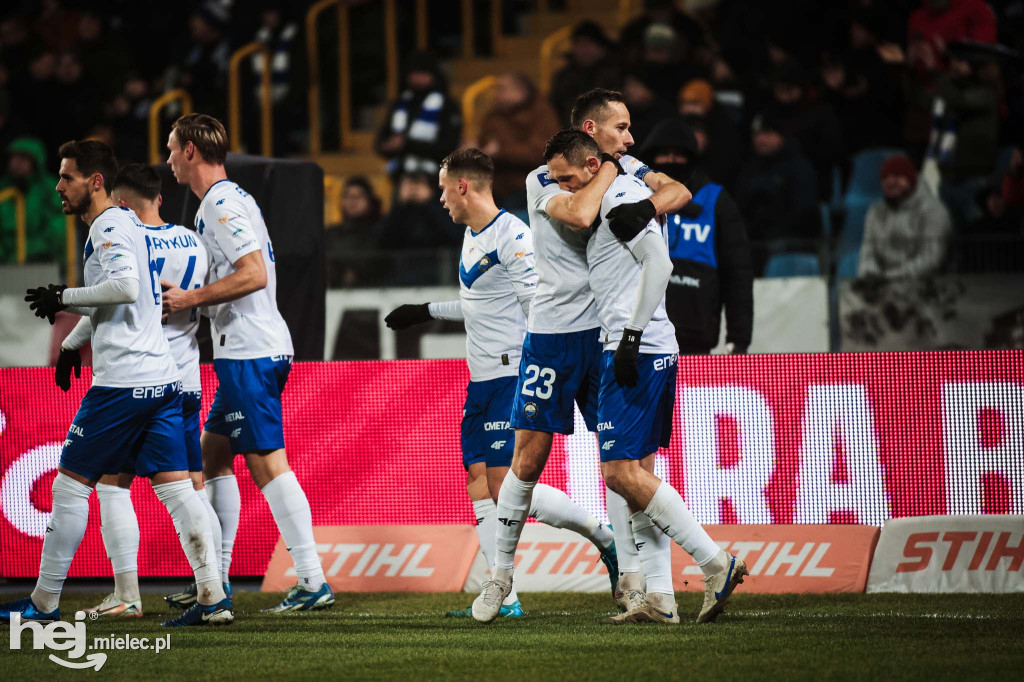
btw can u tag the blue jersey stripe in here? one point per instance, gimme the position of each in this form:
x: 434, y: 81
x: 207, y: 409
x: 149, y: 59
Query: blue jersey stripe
x: 485, y: 263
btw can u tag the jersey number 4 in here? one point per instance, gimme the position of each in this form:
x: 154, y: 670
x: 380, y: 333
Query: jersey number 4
x: 546, y: 375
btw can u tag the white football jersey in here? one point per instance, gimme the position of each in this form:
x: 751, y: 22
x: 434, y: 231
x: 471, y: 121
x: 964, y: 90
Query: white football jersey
x: 496, y: 276
x: 128, y: 346
x: 231, y: 226
x: 615, y: 275
x: 563, y: 302
x: 180, y: 258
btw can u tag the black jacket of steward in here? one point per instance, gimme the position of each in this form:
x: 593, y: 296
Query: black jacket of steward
x: 697, y: 290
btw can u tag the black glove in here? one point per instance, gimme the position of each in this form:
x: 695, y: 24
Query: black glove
x: 614, y: 162
x: 626, y: 221
x: 405, y: 316
x: 626, y: 356
x: 44, y: 300
x: 66, y: 361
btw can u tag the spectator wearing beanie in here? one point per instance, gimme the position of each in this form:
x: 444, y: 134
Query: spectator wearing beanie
x: 646, y: 108
x: 711, y: 267
x: 589, y: 65
x: 718, y: 137
x: 906, y: 233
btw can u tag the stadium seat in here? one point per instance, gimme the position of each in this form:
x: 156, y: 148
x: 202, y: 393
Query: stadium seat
x: 792, y: 265
x: 864, y: 181
x: 853, y: 225
x: 846, y: 264
x: 1003, y: 157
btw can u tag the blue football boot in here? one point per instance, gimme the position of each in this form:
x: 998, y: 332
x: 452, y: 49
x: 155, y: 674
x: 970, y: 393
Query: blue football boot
x: 611, y: 561
x: 513, y: 610
x: 299, y: 599
x: 28, y: 612
x: 198, y: 614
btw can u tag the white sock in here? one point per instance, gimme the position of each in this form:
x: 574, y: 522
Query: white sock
x: 64, y: 533
x: 669, y: 513
x: 294, y: 519
x: 654, y: 547
x: 120, y: 530
x: 625, y: 545
x: 486, y: 519
x: 513, y: 509
x: 553, y: 507
x: 226, y: 500
x: 193, y: 527
x: 215, y: 531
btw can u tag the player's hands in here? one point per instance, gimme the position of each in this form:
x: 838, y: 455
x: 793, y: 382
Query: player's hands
x: 615, y: 162
x: 67, y: 360
x: 405, y: 316
x: 626, y: 357
x: 174, y: 298
x: 626, y: 221
x: 45, y: 301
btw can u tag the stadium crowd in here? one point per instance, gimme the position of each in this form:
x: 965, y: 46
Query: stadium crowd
x: 790, y: 121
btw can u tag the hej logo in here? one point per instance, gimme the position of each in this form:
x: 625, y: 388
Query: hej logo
x: 71, y: 637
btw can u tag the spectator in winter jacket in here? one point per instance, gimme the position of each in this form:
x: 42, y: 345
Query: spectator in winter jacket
x: 906, y: 233
x: 424, y: 124
x: 588, y: 65
x: 809, y: 122
x: 44, y: 218
x: 513, y: 134
x: 777, y: 191
x: 711, y: 266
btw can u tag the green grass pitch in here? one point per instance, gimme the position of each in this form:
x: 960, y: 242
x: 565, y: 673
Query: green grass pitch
x: 405, y: 637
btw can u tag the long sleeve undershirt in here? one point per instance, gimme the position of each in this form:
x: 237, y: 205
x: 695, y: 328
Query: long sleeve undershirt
x: 651, y: 252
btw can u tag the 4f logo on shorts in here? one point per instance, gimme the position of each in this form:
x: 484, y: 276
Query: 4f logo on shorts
x: 508, y: 522
x: 236, y: 433
x: 498, y: 444
x: 608, y: 445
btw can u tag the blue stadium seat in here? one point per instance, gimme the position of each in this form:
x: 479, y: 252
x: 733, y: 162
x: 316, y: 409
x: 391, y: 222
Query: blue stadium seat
x: 846, y: 264
x: 864, y: 176
x: 1003, y: 157
x: 792, y: 265
x: 853, y: 225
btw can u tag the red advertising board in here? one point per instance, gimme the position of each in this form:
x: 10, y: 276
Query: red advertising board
x: 797, y: 439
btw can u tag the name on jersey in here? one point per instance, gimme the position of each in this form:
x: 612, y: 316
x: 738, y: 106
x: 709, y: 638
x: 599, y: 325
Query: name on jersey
x: 497, y: 426
x: 182, y: 241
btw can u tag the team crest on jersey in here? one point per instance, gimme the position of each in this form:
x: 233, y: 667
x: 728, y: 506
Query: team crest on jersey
x: 484, y: 263
x: 530, y: 410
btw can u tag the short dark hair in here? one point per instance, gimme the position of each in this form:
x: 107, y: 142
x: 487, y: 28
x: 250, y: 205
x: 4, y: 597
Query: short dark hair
x: 206, y: 134
x: 574, y: 145
x: 590, y: 103
x: 469, y: 162
x: 91, y: 156
x: 138, y: 179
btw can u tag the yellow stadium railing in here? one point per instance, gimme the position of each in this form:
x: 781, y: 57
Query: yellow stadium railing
x: 14, y: 194
x: 155, y: 143
x: 235, y: 98
x: 626, y: 11
x: 422, y: 25
x: 313, y: 66
x: 549, y: 52
x: 71, y: 251
x: 391, y: 47
x: 471, y: 106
